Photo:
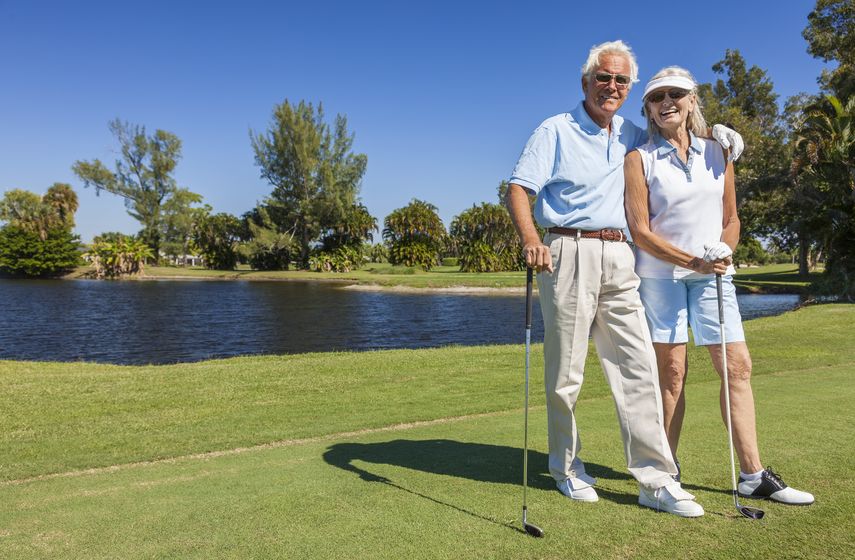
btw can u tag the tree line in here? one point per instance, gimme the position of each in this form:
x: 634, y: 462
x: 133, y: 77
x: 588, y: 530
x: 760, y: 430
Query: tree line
x: 795, y: 187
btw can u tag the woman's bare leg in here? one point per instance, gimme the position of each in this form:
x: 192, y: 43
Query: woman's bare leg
x: 741, y: 403
x: 673, y: 367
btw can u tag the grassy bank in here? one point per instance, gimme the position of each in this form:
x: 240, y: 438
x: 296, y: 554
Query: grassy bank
x: 401, y: 454
x: 774, y: 278
x: 380, y: 274
x: 779, y: 278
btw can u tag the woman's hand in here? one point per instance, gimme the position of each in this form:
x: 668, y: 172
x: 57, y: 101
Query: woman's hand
x: 718, y: 266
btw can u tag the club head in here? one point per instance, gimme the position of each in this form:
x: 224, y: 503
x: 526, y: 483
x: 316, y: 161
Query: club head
x: 751, y: 512
x: 536, y: 531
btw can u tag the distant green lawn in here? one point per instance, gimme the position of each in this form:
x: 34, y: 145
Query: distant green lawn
x: 403, y: 454
x: 380, y: 274
x: 780, y: 278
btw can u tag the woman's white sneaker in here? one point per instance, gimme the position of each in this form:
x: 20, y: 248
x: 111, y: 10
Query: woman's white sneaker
x: 670, y: 499
x: 770, y: 486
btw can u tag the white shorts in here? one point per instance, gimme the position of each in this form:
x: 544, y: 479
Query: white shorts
x: 673, y: 305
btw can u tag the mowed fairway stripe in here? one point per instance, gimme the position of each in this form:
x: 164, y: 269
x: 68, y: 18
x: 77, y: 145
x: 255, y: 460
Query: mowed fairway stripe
x: 260, y: 447
x: 335, y: 436
x: 450, y: 489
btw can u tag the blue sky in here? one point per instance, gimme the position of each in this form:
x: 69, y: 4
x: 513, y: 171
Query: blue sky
x: 441, y: 95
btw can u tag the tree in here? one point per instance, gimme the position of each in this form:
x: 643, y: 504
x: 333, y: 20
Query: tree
x: 29, y: 211
x: 267, y: 248
x: 831, y: 37
x: 485, y: 238
x: 112, y: 237
x: 217, y: 238
x: 37, y: 238
x: 314, y: 173
x: 750, y: 251
x: 343, y: 245
x: 414, y: 235
x: 62, y: 200
x: 356, y: 227
x: 25, y: 252
x: 179, y: 220
x: 143, y: 177
x: 23, y: 209
x: 824, y: 168
x: 745, y: 99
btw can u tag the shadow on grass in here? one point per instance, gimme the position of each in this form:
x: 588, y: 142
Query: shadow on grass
x: 474, y: 461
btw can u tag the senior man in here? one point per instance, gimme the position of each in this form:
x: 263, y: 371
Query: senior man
x: 573, y: 162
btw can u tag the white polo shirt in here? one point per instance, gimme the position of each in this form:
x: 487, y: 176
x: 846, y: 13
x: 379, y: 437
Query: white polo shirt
x: 685, y: 202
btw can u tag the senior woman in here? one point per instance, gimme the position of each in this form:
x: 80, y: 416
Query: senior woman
x: 681, y: 210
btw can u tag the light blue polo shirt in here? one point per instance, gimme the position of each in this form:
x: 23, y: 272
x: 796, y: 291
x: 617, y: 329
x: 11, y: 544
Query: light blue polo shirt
x: 576, y: 170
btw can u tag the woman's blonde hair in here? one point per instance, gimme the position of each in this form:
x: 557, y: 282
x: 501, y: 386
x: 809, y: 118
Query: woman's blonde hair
x: 696, y: 123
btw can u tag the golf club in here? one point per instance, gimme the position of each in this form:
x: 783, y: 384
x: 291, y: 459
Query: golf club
x: 532, y: 530
x: 749, y: 512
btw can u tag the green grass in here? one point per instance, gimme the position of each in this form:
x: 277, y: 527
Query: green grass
x: 774, y: 278
x: 402, y: 454
x: 778, y: 278
x: 380, y: 274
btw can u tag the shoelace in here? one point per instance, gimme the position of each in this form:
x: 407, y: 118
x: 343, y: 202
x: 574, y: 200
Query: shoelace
x: 773, y: 475
x: 656, y: 494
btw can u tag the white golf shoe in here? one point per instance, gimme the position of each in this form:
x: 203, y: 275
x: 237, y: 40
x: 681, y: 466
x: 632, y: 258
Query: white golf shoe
x: 770, y: 487
x: 670, y: 499
x: 580, y: 489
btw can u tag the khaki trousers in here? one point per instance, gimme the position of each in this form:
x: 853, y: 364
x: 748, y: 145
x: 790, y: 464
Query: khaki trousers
x: 594, y: 288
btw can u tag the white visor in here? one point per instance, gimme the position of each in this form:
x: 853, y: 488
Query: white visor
x: 669, y: 81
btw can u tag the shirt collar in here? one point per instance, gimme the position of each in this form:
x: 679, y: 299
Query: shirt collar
x: 663, y: 147
x: 584, y: 120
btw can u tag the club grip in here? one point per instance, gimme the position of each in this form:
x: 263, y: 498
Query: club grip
x: 529, y: 274
x: 720, y: 299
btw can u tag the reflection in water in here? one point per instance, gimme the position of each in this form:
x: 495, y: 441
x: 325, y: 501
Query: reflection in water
x: 175, y: 321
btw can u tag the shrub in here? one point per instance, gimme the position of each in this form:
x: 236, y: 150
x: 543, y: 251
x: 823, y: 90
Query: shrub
x: 378, y: 253
x: 343, y: 259
x: 486, y: 240
x: 422, y: 254
x: 125, y: 257
x: 25, y: 253
x: 415, y: 235
x: 216, y: 237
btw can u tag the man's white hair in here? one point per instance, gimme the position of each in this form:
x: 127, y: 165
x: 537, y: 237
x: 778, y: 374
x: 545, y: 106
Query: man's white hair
x: 618, y: 48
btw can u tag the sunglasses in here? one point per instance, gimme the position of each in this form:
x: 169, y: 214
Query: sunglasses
x: 673, y: 95
x: 621, y: 80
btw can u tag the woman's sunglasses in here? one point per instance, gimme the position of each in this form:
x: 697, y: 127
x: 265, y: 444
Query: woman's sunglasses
x: 673, y: 95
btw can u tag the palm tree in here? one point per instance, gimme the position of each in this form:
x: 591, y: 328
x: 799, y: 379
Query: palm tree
x: 824, y: 169
x: 54, y: 210
x: 414, y: 235
x: 62, y: 199
x: 486, y: 239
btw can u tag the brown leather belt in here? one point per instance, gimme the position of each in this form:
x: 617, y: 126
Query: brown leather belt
x: 604, y: 234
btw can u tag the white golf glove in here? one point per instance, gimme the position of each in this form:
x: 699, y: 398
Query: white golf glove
x: 729, y: 138
x: 716, y: 251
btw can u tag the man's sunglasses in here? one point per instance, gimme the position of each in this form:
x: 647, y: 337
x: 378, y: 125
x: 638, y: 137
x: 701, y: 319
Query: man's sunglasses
x: 621, y: 80
x: 673, y: 95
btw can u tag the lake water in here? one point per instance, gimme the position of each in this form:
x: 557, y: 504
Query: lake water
x: 177, y: 321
